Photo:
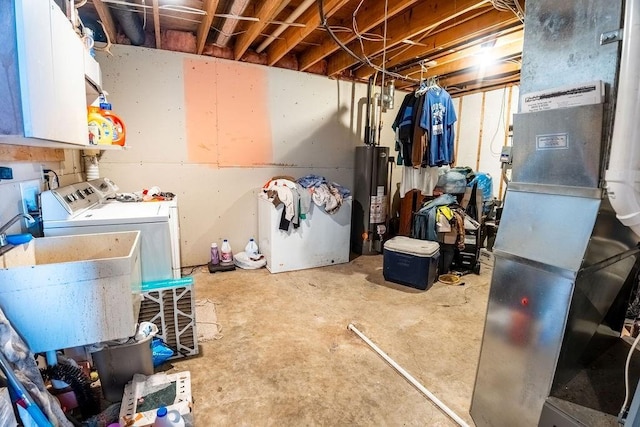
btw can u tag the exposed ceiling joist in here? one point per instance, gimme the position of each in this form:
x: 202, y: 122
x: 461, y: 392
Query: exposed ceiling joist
x: 209, y: 7
x: 443, y: 34
x: 107, y: 20
x: 415, y: 21
x: 469, y: 59
x: 486, y: 74
x: 294, y: 35
x: 370, y: 16
x: 490, y: 23
x: 229, y: 25
x: 267, y: 11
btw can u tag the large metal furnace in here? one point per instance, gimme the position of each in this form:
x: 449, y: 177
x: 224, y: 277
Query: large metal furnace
x: 564, y: 262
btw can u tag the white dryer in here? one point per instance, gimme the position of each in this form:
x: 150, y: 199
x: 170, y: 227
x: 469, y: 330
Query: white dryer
x: 90, y: 207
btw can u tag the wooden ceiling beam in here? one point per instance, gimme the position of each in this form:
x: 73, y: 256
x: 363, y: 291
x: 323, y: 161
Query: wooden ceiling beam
x: 370, y: 16
x: 483, y: 87
x: 294, y: 35
x: 209, y: 6
x: 467, y: 59
x: 106, y: 19
x: 266, y: 12
x: 156, y: 24
x: 491, y: 23
x: 484, y: 75
x: 229, y: 25
x: 404, y: 26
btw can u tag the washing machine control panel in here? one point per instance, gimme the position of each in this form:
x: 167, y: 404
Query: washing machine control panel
x: 67, y: 202
x: 76, y: 197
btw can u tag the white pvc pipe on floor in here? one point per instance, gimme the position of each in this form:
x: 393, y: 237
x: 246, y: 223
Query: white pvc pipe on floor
x: 412, y: 380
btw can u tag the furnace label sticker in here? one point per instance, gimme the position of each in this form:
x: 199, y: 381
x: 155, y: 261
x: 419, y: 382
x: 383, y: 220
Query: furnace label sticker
x: 554, y: 141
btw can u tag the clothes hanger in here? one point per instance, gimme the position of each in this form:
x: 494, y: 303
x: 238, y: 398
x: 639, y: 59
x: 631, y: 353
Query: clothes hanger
x: 424, y: 86
x: 433, y: 85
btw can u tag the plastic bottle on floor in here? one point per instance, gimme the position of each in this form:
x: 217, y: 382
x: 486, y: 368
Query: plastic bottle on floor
x: 215, y: 254
x: 251, y: 249
x: 226, y: 255
x: 166, y: 418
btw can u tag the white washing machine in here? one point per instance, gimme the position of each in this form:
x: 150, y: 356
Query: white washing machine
x: 90, y: 207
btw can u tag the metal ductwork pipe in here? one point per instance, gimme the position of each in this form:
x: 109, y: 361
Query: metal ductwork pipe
x: 290, y: 19
x: 623, y: 174
x: 131, y: 24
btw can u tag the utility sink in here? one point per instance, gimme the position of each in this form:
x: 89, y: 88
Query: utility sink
x: 68, y: 291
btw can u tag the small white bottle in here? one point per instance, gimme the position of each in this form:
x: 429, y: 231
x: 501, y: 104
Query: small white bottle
x: 251, y: 249
x: 166, y: 418
x: 226, y: 255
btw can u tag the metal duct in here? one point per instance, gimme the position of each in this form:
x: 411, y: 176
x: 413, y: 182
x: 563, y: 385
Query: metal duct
x: 131, y: 24
x: 294, y: 15
x: 623, y: 174
x: 556, y: 304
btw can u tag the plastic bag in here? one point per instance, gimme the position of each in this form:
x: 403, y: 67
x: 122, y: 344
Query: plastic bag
x: 485, y: 185
x: 452, y: 182
x: 160, y: 352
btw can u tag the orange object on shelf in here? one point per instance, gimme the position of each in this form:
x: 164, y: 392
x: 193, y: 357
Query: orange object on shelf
x: 119, y: 129
x: 100, y: 128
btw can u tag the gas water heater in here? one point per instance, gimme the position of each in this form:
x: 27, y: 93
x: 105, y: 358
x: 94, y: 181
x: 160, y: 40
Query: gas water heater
x: 370, y: 199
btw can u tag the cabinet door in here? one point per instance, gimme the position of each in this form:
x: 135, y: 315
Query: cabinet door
x: 68, y: 71
x: 35, y: 59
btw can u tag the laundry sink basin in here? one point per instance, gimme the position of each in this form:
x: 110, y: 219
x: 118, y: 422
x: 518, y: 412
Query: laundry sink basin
x: 67, y: 291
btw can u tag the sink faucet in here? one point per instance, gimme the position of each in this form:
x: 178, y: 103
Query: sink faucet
x: 5, y: 227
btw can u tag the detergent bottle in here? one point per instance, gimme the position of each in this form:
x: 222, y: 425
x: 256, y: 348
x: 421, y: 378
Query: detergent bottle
x: 251, y: 249
x: 166, y: 418
x: 100, y: 129
x: 226, y: 255
x: 119, y: 129
x: 215, y: 254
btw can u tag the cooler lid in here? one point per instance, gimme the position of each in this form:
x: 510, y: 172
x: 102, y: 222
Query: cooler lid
x: 407, y: 245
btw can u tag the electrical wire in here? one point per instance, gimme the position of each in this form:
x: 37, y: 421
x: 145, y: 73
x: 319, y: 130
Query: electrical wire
x: 193, y: 269
x: 509, y: 6
x: 626, y: 378
x: 384, y: 61
x: 325, y: 25
x: 47, y: 171
x: 372, y: 37
x: 500, y: 122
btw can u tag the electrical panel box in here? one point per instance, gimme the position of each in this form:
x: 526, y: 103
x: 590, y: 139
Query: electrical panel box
x: 505, y: 155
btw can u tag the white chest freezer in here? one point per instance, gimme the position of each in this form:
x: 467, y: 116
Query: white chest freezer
x: 321, y: 239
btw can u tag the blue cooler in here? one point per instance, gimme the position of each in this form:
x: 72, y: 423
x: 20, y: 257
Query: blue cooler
x: 411, y: 262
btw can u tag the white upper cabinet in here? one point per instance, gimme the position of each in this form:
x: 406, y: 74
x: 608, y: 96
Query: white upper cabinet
x: 45, y: 62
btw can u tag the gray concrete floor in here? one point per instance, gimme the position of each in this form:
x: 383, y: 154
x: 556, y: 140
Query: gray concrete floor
x: 287, y: 358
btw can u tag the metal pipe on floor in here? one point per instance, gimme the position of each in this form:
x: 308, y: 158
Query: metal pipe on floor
x: 409, y: 378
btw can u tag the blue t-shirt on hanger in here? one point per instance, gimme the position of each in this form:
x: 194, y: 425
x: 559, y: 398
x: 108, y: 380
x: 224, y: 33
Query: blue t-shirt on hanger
x: 438, y: 117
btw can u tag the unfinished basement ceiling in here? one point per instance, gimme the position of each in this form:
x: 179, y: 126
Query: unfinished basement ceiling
x: 469, y: 45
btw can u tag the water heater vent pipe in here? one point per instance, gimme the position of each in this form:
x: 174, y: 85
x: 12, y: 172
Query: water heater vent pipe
x: 623, y: 175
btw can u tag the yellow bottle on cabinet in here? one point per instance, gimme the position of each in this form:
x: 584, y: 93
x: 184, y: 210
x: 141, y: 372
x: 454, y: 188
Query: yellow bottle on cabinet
x: 100, y: 128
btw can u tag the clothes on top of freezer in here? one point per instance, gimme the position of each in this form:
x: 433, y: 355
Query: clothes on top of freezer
x: 296, y: 196
x: 312, y: 181
x: 286, y: 192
